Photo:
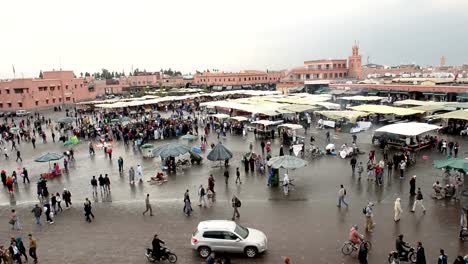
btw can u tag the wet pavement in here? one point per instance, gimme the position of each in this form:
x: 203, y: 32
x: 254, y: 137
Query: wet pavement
x: 306, y: 225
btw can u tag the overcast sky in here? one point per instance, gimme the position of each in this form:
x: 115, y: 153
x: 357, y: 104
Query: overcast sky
x: 87, y: 35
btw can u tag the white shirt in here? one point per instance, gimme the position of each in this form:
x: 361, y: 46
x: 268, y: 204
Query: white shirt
x: 341, y: 192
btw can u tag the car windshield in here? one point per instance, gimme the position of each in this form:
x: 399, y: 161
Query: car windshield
x: 241, y: 231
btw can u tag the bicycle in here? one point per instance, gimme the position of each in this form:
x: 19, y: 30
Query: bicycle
x: 349, y: 247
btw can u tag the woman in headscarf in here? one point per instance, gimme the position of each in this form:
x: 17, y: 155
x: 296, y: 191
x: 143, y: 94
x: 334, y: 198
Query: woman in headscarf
x: 397, y: 209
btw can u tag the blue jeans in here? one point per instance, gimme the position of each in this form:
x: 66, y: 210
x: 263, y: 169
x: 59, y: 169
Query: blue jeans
x: 342, y: 200
x: 38, y: 220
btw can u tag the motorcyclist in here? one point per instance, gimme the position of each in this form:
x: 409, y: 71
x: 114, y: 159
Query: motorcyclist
x: 157, y: 247
x: 402, y: 247
x: 354, y: 235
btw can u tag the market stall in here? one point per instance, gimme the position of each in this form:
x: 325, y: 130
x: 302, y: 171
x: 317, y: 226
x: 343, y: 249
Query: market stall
x: 266, y: 128
x: 388, y: 112
x: 345, y: 121
x: 288, y: 133
x: 238, y: 124
x: 413, y: 136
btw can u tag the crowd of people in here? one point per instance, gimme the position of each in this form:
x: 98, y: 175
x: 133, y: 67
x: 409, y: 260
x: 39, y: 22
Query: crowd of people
x: 150, y: 126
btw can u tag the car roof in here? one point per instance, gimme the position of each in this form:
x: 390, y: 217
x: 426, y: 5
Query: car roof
x: 217, y: 224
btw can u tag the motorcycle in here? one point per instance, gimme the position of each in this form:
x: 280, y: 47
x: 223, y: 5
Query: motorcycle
x: 395, y: 258
x: 166, y: 255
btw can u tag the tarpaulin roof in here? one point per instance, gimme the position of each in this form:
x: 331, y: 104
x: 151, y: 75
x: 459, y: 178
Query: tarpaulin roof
x: 220, y: 116
x: 416, y: 102
x: 240, y: 118
x: 385, y: 109
x: 267, y: 122
x: 362, y: 98
x: 299, y: 108
x: 460, y: 114
x: 349, y: 115
x: 408, y: 129
x: 291, y: 126
x: 433, y: 108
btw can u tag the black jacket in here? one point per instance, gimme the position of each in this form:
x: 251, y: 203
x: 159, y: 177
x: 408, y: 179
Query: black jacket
x: 420, y: 256
x: 362, y: 254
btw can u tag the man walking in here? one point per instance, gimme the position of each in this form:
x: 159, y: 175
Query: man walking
x: 88, y: 210
x: 412, y: 184
x: 148, y: 206
x: 402, y: 168
x: 369, y: 217
x: 419, y: 200
x: 32, y: 247
x: 201, y: 196
x: 353, y: 163
x: 37, y: 211
x: 226, y: 176
x: 120, y: 162
x: 238, y: 176
x: 341, y: 196
x: 362, y: 254
x: 101, y: 184
x: 94, y: 184
x: 18, y: 156
x: 107, y: 184
x: 236, y: 203
x: 420, y: 254
x: 66, y: 195
x: 25, y: 176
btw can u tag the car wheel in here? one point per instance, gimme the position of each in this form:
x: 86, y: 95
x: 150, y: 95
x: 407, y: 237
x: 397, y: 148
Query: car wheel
x: 204, y: 251
x: 251, y: 252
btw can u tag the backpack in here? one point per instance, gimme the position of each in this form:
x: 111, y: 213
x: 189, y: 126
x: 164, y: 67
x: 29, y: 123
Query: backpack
x: 364, y: 210
x: 238, y: 203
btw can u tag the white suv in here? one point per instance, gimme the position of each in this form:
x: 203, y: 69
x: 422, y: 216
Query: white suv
x: 227, y: 236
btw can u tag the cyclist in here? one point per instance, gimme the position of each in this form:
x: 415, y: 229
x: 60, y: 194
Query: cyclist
x: 402, y: 247
x: 354, y: 236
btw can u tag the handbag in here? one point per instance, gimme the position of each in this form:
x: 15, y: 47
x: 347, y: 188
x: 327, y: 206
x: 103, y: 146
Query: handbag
x: 11, y: 222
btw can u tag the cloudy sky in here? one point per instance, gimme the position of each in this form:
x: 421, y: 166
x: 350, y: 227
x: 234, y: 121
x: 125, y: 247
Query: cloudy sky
x: 87, y: 35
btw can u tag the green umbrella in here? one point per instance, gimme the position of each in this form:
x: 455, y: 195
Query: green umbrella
x: 286, y: 162
x: 171, y: 150
x: 147, y: 146
x: 189, y: 137
x: 125, y: 119
x: 459, y: 164
x: 219, y: 152
x: 14, y: 130
x: 68, y: 143
x: 115, y: 120
x: 48, y: 157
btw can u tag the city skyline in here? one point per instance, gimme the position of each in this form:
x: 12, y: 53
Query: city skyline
x: 259, y: 35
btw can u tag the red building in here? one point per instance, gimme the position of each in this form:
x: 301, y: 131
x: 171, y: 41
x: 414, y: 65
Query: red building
x: 54, y: 88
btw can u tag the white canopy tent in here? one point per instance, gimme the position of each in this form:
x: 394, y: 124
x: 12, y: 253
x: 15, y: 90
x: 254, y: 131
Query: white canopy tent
x: 407, y: 129
x: 240, y: 118
x: 267, y: 122
x: 291, y: 126
x: 220, y: 116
